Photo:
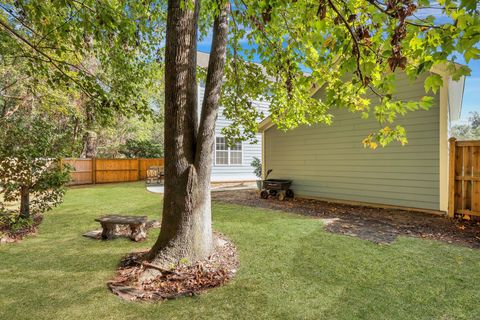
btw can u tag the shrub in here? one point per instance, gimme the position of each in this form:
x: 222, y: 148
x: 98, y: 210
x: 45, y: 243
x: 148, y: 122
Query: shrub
x: 257, y: 167
x: 142, y: 149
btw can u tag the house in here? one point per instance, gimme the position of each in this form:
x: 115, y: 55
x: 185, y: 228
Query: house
x: 331, y: 163
x: 231, y: 163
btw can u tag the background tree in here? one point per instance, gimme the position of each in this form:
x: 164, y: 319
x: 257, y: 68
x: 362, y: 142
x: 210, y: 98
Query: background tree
x: 74, y: 46
x: 142, y: 149
x: 468, y: 131
x: 114, y: 133
x: 103, y: 50
x: 30, y: 170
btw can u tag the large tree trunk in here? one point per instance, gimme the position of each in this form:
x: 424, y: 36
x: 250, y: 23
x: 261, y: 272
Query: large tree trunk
x: 24, y: 203
x: 186, y: 232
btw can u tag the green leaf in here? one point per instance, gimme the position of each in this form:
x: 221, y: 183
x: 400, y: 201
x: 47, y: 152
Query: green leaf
x: 472, y: 53
x: 469, y: 5
x: 426, y: 102
x: 433, y: 83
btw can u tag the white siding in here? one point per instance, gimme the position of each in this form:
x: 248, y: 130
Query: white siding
x: 243, y: 172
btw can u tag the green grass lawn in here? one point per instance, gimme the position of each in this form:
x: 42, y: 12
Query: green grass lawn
x: 290, y: 269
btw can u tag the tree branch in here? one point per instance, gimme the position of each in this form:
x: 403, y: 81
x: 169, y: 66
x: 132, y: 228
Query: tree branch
x: 13, y: 15
x: 213, y: 87
x: 51, y: 60
x: 379, y: 5
x: 354, y: 37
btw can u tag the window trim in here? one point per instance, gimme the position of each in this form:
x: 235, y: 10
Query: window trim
x: 229, y: 164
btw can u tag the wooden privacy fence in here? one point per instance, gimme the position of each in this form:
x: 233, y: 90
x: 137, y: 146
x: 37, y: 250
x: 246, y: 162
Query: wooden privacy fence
x: 91, y: 171
x: 464, y: 175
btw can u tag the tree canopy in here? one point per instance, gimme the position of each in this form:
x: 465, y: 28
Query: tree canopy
x: 355, y: 50
x: 99, y: 48
x: 352, y: 48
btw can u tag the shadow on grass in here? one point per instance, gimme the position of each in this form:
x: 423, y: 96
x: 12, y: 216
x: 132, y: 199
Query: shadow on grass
x: 290, y: 268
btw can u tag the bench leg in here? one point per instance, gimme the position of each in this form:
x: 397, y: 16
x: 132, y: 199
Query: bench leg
x: 109, y: 231
x: 138, y: 232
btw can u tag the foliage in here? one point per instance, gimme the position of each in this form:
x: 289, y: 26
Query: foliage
x: 11, y: 222
x: 95, y: 60
x: 99, y: 48
x: 354, y: 51
x: 112, y: 139
x: 257, y: 167
x: 29, y: 148
x: 469, y: 131
x: 142, y: 149
x: 21, y: 223
x: 7, y: 218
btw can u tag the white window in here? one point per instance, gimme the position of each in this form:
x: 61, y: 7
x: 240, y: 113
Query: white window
x: 225, y: 155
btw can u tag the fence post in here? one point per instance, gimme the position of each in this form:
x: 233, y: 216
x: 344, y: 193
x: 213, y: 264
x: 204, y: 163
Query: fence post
x: 451, y: 177
x: 94, y: 170
x: 139, y: 170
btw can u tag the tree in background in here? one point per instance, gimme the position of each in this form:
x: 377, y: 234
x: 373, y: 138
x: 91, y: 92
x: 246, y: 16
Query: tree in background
x: 30, y: 170
x: 114, y: 134
x: 470, y: 130
x: 104, y: 75
x: 141, y: 149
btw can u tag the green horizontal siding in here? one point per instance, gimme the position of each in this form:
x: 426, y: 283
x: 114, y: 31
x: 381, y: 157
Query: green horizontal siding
x: 331, y: 162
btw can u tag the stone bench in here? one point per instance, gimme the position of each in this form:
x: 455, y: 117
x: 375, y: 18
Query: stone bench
x: 133, y: 227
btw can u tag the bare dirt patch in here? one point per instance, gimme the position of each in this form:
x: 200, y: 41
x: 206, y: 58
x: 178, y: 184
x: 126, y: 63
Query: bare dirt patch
x: 373, y: 224
x: 183, y: 280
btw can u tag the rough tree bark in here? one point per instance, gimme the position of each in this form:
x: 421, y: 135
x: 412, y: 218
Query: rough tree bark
x: 186, y: 232
x: 24, y: 202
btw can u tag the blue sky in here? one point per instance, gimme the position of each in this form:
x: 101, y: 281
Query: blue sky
x: 471, y: 96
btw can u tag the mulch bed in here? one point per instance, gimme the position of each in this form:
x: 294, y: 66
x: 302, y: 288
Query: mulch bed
x: 183, y: 280
x: 8, y: 236
x: 373, y: 224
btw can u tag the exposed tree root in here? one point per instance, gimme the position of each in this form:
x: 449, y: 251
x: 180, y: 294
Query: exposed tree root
x: 179, y: 281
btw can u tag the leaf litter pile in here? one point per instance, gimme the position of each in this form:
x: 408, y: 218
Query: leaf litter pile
x: 183, y: 280
x: 7, y: 235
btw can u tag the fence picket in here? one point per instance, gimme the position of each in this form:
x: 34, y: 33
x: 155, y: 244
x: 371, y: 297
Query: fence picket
x: 464, y: 195
x: 476, y: 183
x: 91, y: 171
